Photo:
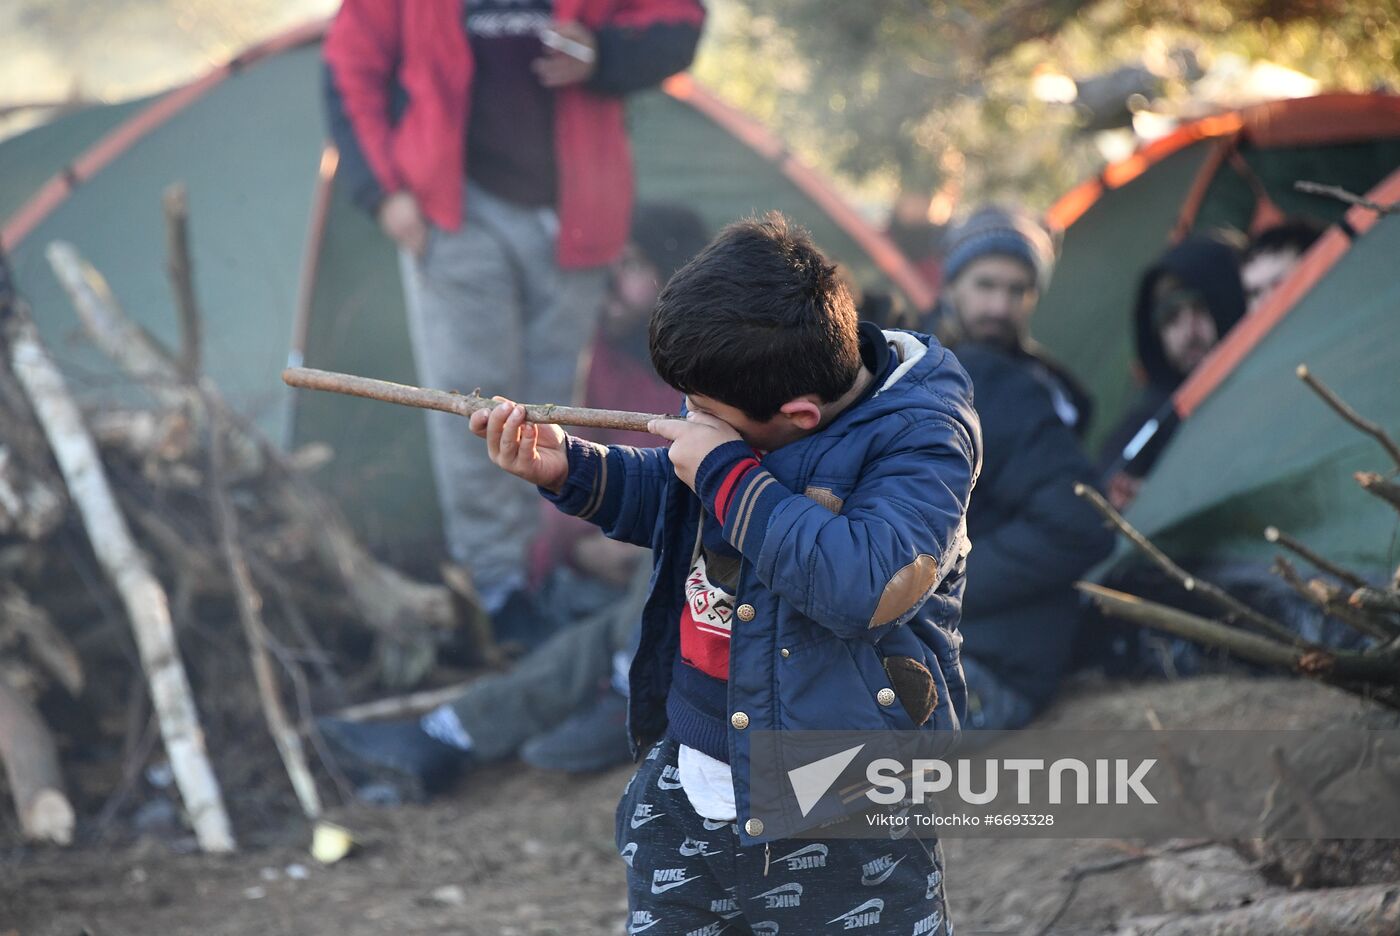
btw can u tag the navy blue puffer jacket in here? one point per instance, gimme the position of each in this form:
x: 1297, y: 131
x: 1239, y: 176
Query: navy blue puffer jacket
x: 854, y: 544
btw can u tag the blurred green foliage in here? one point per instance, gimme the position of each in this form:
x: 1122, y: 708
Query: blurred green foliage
x: 902, y: 94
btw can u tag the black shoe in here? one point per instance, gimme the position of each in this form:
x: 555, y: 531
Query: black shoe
x: 594, y: 739
x: 396, y: 754
x: 523, y: 621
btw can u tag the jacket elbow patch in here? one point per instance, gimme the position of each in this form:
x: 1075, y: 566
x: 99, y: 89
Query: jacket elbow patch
x: 826, y: 497
x: 914, y: 686
x: 905, y: 590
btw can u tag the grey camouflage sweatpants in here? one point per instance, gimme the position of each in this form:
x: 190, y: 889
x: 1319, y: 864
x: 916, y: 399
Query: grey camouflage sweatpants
x: 489, y: 307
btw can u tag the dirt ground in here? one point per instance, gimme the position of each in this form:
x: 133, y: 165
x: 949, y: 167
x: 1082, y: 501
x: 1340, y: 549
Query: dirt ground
x: 516, y: 851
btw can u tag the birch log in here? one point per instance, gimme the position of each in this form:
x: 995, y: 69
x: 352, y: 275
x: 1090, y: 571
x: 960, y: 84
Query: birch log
x: 127, y: 568
x: 31, y: 766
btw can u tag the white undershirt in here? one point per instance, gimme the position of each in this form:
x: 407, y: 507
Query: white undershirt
x: 708, y: 784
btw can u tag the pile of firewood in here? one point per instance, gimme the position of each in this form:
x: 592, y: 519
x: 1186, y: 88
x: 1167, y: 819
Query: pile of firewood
x: 178, y: 507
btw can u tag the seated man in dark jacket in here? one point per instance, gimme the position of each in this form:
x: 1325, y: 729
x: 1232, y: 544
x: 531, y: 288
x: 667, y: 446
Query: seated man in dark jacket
x: 1031, y: 536
x: 1186, y: 302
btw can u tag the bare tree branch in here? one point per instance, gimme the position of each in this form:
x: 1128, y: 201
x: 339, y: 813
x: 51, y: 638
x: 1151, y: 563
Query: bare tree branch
x: 1350, y: 415
x: 1330, y: 600
x: 1275, y: 535
x: 1373, y: 599
x: 1387, y: 491
x: 399, y: 706
x: 179, y: 266
x: 1378, y: 666
x: 1213, y: 593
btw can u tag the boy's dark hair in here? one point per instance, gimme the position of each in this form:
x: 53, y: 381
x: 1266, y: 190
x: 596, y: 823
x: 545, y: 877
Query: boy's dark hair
x: 1296, y: 233
x: 757, y: 318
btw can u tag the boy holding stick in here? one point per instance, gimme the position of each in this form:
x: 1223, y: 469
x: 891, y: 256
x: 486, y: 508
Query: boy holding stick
x: 808, y: 527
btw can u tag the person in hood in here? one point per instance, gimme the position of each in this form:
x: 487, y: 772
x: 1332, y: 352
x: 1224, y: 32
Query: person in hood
x: 1186, y: 302
x: 1272, y: 254
x: 1032, y: 537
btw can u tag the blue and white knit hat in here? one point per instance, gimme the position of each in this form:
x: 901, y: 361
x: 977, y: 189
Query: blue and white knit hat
x: 1003, y: 231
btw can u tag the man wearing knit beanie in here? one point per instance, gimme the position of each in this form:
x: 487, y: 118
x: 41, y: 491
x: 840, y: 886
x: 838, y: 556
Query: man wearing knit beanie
x: 994, y: 230
x: 997, y: 264
x: 1032, y: 537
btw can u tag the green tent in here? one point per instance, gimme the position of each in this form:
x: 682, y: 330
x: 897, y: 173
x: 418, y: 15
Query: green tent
x: 1255, y: 447
x: 1235, y: 170
x: 284, y: 262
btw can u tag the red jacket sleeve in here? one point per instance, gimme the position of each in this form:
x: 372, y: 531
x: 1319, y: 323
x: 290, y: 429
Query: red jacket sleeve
x: 362, y: 54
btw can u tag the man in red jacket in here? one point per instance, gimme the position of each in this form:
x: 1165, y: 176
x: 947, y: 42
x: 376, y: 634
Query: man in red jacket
x: 487, y: 138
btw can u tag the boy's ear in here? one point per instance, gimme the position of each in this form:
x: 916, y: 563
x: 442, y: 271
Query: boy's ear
x: 805, y: 412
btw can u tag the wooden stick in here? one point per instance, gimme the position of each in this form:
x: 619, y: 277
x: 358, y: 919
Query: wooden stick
x: 1373, y: 599
x: 308, y: 378
x: 127, y: 343
x: 46, y: 642
x: 1375, y: 484
x: 400, y: 706
x: 31, y: 766
x: 1350, y: 415
x: 1213, y: 593
x: 147, y: 606
x: 1275, y: 535
x: 1330, y: 601
x: 1335, y: 600
x: 176, y: 204
x: 246, y: 598
x: 249, y: 605
x: 1379, y: 667
x: 1192, y: 627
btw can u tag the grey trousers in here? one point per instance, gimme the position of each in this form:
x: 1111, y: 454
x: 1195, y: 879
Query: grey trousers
x: 489, y: 307
x: 502, y: 711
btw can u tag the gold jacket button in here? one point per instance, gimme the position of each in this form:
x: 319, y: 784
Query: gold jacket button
x: 885, y: 696
x: 746, y: 612
x: 754, y: 827
x: 739, y: 720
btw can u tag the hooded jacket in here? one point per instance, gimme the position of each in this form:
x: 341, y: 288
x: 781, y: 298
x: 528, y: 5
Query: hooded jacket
x: 1209, y: 268
x: 854, y: 547
x: 1032, y: 535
